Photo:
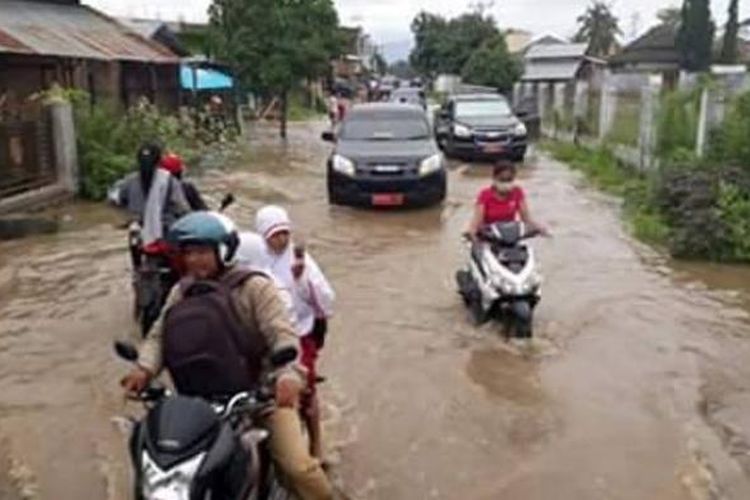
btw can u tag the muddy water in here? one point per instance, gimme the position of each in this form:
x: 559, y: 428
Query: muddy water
x: 635, y: 388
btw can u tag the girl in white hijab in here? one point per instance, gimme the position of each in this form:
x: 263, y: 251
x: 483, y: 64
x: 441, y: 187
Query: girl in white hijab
x: 273, y: 250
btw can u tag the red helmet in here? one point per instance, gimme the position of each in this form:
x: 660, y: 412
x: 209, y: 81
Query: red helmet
x: 172, y: 163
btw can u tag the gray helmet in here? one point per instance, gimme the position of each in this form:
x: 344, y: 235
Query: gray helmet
x: 207, y: 228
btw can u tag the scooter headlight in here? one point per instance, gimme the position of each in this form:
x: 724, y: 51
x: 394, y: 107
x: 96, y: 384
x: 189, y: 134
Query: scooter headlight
x: 174, y: 483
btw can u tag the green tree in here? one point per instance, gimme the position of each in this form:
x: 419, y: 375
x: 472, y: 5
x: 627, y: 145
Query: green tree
x: 695, y: 38
x: 274, y: 45
x: 402, y: 70
x: 599, y: 28
x: 445, y: 46
x: 492, y: 65
x: 729, y: 49
x: 430, y: 47
x: 379, y: 64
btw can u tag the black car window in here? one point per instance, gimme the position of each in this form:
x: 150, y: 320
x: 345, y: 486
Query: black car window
x: 482, y: 108
x: 384, y: 128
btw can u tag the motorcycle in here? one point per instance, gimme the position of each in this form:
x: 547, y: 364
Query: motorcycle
x: 501, y: 280
x: 154, y: 273
x: 195, y: 449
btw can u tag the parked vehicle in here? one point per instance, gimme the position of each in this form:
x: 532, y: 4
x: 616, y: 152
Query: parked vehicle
x: 410, y: 95
x: 480, y: 126
x: 501, y: 280
x: 188, y: 448
x: 385, y: 156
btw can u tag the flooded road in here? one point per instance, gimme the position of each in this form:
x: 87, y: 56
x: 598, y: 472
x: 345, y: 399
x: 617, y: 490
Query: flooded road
x: 637, y: 387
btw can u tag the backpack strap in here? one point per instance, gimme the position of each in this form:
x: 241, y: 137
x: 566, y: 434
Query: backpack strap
x: 230, y: 282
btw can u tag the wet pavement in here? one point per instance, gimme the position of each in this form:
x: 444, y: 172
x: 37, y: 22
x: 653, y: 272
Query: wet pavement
x: 636, y: 387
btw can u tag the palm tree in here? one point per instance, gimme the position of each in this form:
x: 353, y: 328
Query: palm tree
x: 599, y: 28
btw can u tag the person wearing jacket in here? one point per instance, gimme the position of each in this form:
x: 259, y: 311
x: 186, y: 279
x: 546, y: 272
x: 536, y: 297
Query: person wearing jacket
x: 204, y: 357
x: 273, y: 249
x: 151, y: 195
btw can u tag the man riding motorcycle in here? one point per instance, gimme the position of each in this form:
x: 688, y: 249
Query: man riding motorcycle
x: 151, y: 195
x: 217, y: 332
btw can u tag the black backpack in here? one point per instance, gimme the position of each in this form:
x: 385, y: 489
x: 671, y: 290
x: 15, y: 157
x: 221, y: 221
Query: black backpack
x: 208, y: 348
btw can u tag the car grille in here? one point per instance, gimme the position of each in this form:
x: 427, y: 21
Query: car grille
x: 492, y: 136
x: 385, y: 169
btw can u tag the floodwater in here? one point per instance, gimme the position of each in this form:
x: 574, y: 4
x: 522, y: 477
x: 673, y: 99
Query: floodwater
x: 636, y: 387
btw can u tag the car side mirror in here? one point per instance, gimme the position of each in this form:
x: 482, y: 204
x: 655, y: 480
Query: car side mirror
x: 226, y: 202
x: 328, y: 136
x: 521, y: 113
x: 283, y: 357
x: 126, y: 351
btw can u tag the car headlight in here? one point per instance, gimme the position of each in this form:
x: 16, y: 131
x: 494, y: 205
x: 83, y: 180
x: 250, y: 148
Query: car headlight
x: 431, y: 165
x: 461, y: 130
x: 520, y: 130
x: 343, y: 165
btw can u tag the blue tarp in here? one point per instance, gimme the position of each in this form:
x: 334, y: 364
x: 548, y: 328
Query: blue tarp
x: 208, y: 79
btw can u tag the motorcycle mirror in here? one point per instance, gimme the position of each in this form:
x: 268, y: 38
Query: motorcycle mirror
x: 226, y: 202
x: 126, y: 351
x: 283, y: 357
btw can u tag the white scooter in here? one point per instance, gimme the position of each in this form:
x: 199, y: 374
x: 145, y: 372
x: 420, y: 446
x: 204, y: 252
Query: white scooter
x: 501, y: 280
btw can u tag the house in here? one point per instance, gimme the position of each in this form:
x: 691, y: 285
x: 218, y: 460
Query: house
x: 357, y: 56
x: 159, y: 32
x: 60, y: 42
x: 63, y: 42
x: 552, y: 63
x: 653, y: 53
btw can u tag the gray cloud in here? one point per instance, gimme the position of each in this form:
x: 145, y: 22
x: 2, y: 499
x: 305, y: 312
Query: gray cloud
x: 389, y: 20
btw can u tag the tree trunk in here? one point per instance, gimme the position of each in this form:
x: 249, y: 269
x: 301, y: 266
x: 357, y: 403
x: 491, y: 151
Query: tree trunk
x: 284, y: 112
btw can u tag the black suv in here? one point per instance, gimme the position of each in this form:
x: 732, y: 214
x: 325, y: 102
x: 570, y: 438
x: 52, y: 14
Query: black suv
x: 385, y: 156
x: 480, y: 126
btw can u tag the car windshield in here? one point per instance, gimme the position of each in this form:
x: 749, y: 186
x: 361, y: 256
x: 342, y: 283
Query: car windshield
x: 482, y: 108
x: 387, y: 128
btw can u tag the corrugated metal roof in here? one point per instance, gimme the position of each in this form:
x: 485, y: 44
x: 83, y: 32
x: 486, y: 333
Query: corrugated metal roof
x: 72, y: 31
x: 144, y: 27
x: 551, y: 70
x: 557, y: 51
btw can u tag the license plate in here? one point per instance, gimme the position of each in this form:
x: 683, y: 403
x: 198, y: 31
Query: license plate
x: 388, y: 200
x: 493, y: 148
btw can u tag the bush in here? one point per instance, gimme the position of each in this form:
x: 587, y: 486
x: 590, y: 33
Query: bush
x: 730, y: 143
x: 108, y: 141
x: 678, y: 125
x: 637, y: 191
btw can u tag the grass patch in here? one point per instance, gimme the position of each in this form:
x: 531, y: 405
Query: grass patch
x: 300, y: 111
x: 604, y: 172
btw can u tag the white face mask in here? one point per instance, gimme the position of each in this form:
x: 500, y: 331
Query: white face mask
x: 504, y: 187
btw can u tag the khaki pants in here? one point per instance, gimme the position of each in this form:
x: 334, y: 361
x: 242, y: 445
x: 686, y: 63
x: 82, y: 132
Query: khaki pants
x: 291, y: 453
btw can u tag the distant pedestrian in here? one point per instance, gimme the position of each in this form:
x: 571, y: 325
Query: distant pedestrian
x: 333, y: 109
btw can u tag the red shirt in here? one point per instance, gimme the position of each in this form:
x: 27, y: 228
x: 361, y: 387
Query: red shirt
x: 501, y: 209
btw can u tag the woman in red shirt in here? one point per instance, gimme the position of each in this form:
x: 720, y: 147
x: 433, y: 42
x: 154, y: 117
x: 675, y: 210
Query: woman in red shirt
x: 504, y: 201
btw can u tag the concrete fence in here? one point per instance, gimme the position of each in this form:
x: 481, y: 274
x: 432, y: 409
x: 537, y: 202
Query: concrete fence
x: 58, y: 127
x: 623, y: 111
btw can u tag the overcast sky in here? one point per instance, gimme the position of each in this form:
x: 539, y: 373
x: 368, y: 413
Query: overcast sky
x: 388, y: 20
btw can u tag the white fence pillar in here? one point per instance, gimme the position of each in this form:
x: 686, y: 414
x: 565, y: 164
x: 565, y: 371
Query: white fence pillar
x: 607, y: 109
x: 703, y: 124
x: 649, y: 109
